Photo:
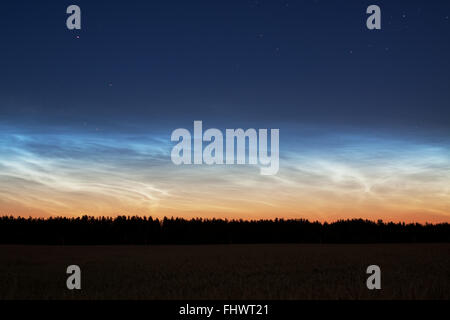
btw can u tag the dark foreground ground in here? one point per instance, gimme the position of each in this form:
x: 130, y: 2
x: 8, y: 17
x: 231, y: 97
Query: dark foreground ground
x: 409, y: 271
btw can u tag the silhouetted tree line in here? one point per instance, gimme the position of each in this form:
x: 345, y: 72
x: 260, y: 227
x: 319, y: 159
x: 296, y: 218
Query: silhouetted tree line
x: 146, y: 230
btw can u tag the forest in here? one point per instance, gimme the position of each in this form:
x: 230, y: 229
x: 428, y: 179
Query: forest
x: 134, y: 230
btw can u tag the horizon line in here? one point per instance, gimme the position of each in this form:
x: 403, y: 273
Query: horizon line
x: 375, y: 221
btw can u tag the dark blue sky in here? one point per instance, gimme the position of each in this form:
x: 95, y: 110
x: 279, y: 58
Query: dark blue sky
x: 163, y: 64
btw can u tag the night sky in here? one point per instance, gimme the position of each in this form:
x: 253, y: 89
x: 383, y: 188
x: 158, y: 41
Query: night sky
x: 364, y: 115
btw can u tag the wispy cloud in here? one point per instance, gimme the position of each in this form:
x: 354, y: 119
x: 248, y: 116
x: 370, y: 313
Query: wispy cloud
x: 337, y: 176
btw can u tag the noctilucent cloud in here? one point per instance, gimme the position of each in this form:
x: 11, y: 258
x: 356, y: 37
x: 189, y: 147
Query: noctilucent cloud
x: 364, y: 115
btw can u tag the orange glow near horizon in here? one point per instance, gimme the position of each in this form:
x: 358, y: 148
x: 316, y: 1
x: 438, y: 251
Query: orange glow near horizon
x: 261, y: 202
x: 369, y: 180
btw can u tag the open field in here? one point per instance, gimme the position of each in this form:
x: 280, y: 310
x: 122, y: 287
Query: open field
x: 306, y: 271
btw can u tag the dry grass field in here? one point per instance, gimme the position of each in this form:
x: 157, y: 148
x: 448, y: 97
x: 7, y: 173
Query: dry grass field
x: 409, y: 271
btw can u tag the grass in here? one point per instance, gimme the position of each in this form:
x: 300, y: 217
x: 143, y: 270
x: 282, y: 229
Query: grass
x: 409, y: 271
